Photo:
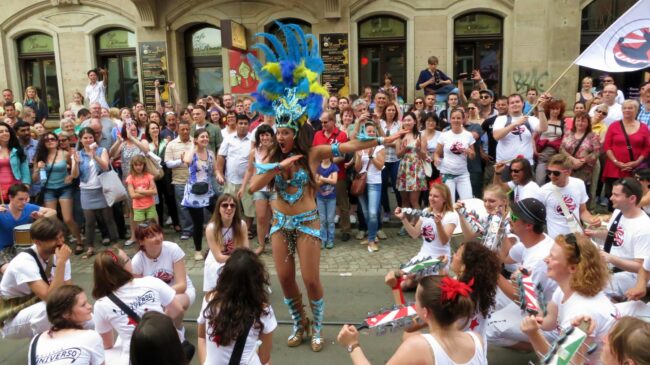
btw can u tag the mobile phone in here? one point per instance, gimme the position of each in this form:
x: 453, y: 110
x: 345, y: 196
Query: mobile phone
x: 462, y: 76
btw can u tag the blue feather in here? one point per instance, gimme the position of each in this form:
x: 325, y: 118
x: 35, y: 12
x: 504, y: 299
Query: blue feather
x: 315, y: 64
x: 314, y: 104
x: 304, y: 47
x: 268, y: 52
x: 313, y: 52
x: 293, y: 47
x: 277, y: 45
x: 303, y: 86
x: 287, y: 68
x: 257, y: 65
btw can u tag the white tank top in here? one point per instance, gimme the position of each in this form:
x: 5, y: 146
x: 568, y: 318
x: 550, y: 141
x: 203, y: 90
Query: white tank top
x: 441, y: 357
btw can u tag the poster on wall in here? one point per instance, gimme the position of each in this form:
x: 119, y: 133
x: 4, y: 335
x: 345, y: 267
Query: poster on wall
x: 153, y: 64
x: 335, y: 54
x: 243, y: 79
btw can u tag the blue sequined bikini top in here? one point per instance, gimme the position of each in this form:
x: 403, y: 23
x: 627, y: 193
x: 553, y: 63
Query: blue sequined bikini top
x: 299, y: 180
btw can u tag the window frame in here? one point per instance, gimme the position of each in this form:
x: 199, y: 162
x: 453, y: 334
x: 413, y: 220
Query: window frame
x: 40, y: 57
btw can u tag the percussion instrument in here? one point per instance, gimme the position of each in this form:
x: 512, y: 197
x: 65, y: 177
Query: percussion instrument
x: 22, y: 237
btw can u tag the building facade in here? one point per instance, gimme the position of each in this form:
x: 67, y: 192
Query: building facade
x: 516, y: 44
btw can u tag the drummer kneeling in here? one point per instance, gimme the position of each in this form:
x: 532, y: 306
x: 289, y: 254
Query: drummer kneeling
x: 31, y: 276
x: 18, y: 212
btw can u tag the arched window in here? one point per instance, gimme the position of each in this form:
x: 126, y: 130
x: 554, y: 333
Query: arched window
x: 382, y: 50
x: 116, y: 53
x: 478, y: 45
x: 273, y: 28
x: 596, y: 17
x: 38, y: 69
x: 203, y: 61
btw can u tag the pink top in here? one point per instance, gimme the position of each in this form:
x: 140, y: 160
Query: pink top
x: 144, y: 181
x: 6, y: 177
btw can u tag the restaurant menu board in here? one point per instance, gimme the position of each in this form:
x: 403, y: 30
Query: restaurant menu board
x: 153, y: 63
x: 334, y: 52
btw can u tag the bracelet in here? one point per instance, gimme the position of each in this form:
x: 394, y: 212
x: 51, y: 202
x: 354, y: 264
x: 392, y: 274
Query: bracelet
x: 352, y: 347
x: 380, y: 141
x: 336, y: 152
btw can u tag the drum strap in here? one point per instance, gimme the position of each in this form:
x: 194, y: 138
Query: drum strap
x: 33, y: 253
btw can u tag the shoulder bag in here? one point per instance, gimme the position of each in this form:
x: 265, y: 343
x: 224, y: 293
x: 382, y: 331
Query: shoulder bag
x: 359, y: 183
x: 629, y: 148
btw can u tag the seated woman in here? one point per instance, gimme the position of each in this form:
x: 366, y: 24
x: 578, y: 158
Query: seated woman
x: 575, y: 264
x: 626, y: 343
x: 435, y: 231
x: 441, y: 302
x: 114, y: 283
x: 155, y: 341
x: 68, y: 311
x: 164, y: 260
x: 223, y: 236
x: 238, y: 308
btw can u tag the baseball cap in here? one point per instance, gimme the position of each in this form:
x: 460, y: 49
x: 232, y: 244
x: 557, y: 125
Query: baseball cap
x: 530, y: 210
x: 487, y: 91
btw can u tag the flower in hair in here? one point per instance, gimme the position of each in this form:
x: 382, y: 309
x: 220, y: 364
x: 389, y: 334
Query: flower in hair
x: 451, y: 288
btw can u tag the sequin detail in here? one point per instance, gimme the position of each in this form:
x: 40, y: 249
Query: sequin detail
x: 299, y: 180
x: 290, y: 225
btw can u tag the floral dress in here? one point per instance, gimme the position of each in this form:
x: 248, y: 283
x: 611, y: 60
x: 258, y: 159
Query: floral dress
x: 200, y: 171
x: 410, y: 175
x: 589, y: 149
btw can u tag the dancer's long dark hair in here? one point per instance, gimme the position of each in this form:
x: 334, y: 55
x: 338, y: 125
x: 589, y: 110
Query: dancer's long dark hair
x: 482, y: 265
x: 239, y: 299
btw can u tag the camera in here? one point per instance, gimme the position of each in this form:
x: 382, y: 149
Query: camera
x: 462, y: 76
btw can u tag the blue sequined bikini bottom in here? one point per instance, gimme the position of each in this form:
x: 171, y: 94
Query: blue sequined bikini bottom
x: 290, y: 225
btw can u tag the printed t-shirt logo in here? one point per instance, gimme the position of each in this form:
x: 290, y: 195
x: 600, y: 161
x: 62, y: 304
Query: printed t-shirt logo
x: 619, y: 237
x: 164, y: 275
x: 72, y: 353
x: 457, y: 148
x: 570, y: 203
x: 518, y: 130
x: 428, y: 233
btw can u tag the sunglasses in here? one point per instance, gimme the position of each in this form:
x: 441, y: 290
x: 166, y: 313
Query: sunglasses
x: 513, y: 217
x: 419, y: 102
x: 553, y: 172
x: 228, y: 205
x: 572, y: 239
x: 471, y: 108
x: 601, y: 112
x: 515, y: 171
x: 51, y: 139
x: 484, y: 97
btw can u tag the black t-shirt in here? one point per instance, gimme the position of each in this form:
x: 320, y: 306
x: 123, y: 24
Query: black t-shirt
x: 487, y: 126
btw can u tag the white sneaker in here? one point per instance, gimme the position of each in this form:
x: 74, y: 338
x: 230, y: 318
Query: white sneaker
x: 336, y: 219
x: 168, y: 222
x: 353, y: 219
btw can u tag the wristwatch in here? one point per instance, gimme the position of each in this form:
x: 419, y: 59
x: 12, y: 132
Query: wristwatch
x: 351, y: 348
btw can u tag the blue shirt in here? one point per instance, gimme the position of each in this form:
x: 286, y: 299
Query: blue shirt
x: 8, y: 223
x: 327, y: 191
x: 644, y: 115
x: 426, y: 75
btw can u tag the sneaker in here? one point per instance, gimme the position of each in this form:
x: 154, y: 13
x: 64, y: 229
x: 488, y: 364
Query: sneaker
x: 360, y: 235
x: 168, y: 222
x: 336, y: 219
x: 386, y: 217
x: 185, y: 236
x: 198, y: 256
x: 345, y: 237
x: 329, y: 245
x: 381, y: 235
x: 129, y: 243
x: 364, y: 242
x: 353, y: 219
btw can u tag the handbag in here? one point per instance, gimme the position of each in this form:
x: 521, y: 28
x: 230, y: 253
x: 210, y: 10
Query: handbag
x: 9, y: 308
x: 112, y: 187
x: 200, y: 188
x: 153, y: 167
x: 40, y: 197
x: 359, y: 183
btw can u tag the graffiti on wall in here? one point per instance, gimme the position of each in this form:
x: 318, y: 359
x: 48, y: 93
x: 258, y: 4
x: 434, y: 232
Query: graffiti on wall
x: 525, y: 80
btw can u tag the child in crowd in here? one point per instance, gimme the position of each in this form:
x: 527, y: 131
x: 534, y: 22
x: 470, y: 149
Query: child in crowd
x: 142, y: 189
x: 326, y: 177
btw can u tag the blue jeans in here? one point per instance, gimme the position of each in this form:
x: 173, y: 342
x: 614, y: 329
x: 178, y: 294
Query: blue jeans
x: 389, y: 173
x: 327, y: 212
x: 370, y: 202
x: 183, y: 212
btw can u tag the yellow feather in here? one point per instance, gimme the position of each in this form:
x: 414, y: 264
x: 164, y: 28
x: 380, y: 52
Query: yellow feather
x: 274, y: 69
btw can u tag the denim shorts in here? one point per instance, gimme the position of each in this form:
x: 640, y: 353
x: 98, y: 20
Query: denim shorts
x: 265, y: 195
x: 64, y: 192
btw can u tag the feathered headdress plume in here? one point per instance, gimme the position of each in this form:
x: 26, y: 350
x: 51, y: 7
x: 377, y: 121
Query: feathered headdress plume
x: 289, y: 87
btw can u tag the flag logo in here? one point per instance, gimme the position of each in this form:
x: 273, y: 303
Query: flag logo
x: 633, y: 49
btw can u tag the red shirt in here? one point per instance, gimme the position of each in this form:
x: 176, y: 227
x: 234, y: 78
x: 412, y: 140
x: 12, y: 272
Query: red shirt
x: 337, y: 135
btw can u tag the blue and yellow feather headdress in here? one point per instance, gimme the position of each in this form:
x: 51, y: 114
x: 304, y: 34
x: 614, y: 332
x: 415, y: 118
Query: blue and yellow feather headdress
x: 289, y: 87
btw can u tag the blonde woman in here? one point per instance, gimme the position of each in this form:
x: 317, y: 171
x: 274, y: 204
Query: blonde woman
x: 33, y: 101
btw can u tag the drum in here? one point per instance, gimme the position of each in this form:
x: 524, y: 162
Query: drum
x: 22, y: 237
x: 471, y: 205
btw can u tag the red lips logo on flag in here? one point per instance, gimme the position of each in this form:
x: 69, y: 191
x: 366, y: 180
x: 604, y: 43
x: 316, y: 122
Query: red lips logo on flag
x: 633, y: 49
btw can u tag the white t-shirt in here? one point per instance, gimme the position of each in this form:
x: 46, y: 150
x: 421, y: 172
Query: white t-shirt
x: 141, y: 295
x: 236, y: 151
x: 573, y: 193
x: 23, y: 270
x: 530, y: 190
x: 454, y: 145
x: 601, y: 310
x: 431, y: 244
x: 374, y: 174
x: 163, y: 266
x: 212, y: 268
x: 96, y: 94
x: 216, y: 354
x: 532, y: 259
x: 518, y: 142
x: 78, y: 347
x: 632, y: 237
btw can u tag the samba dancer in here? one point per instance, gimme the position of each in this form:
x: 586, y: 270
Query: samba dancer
x: 290, y: 91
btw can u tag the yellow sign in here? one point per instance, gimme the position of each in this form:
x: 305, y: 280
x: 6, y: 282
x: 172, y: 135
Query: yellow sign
x: 238, y: 36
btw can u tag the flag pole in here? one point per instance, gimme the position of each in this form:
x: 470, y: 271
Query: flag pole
x: 566, y: 70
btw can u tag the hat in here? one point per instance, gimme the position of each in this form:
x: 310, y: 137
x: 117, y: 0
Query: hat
x: 486, y: 91
x: 530, y: 210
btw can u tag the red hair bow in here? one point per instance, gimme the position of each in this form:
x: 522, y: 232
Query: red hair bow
x: 520, y: 156
x: 451, y: 288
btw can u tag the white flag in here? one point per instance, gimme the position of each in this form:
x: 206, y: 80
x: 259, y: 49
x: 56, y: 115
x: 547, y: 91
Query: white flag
x: 624, y: 46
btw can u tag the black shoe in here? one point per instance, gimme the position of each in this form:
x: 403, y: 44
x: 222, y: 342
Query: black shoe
x: 188, y: 349
x: 345, y: 237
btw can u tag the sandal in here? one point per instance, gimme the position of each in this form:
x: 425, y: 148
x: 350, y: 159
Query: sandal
x: 90, y: 253
x: 78, y: 250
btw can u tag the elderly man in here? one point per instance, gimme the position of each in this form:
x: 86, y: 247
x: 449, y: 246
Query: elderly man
x: 174, y: 154
x: 615, y: 111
